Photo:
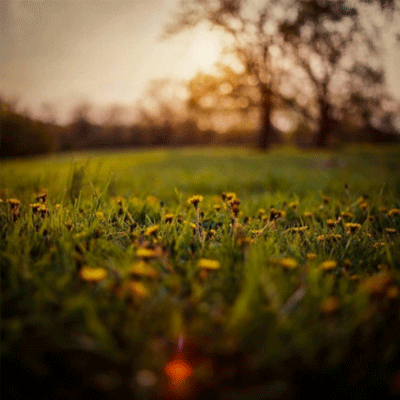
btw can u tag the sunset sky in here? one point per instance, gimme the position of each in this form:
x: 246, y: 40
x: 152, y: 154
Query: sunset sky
x: 65, y: 52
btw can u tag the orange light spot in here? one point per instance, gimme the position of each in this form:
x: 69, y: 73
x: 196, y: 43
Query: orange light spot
x: 178, y: 370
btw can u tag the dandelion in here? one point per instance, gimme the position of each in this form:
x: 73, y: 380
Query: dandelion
x: 14, y: 203
x: 134, y: 289
x: 275, y: 214
x: 378, y: 283
x: 394, y: 212
x: 288, y: 263
x: 311, y: 256
x: 209, y: 264
x: 195, y: 200
x: 293, y: 204
x: 261, y: 212
x: 169, y: 218
x: 298, y: 229
x: 352, y: 227
x: 217, y: 207
x: 151, y: 230
x: 363, y: 205
x: 328, y: 265
x: 90, y: 274
x: 308, y: 214
x: 330, y: 305
x: 147, y: 254
x: 142, y: 269
x: 331, y: 223
x: 35, y: 207
x: 231, y: 195
x: 99, y: 215
x: 41, y: 197
x: 346, y: 215
x: 390, y: 231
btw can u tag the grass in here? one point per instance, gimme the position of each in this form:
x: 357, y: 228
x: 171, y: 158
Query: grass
x: 113, y: 284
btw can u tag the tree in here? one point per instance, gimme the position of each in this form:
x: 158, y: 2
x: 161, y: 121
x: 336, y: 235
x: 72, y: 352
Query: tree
x: 252, y: 37
x: 335, y: 50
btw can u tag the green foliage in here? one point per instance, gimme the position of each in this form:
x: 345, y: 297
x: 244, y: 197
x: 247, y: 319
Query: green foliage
x: 109, y: 262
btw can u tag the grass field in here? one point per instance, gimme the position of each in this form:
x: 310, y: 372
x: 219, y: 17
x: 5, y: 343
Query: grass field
x: 201, y: 273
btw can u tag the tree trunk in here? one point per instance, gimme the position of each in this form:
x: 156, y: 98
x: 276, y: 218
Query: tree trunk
x: 326, y: 126
x: 268, y: 135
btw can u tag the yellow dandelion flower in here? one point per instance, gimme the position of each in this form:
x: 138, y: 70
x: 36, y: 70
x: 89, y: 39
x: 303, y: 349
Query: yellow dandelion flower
x: 378, y: 283
x: 144, y: 253
x: 308, y: 214
x: 261, y: 212
x: 328, y: 265
x: 195, y: 200
x: 230, y: 196
x: 330, y: 305
x: 394, y: 212
x: 293, y: 204
x: 99, y: 215
x: 119, y: 200
x: 275, y: 214
x: 311, y: 256
x: 90, y: 274
x: 207, y: 263
x: 169, y: 217
x: 346, y: 215
x: 35, y: 207
x: 288, y: 263
x: 41, y: 197
x: 390, y: 231
x: 331, y: 223
x: 151, y: 230
x: 298, y: 229
x: 217, y: 207
x: 14, y: 203
x: 142, y: 269
x: 134, y: 289
x: 352, y: 227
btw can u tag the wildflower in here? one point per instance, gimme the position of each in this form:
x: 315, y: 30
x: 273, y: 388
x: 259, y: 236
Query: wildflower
x: 352, y: 227
x: 378, y: 283
x: 347, y: 215
x: 328, y: 265
x: 151, y: 230
x: 217, y: 207
x: 169, y: 217
x: 394, y: 212
x: 144, y: 253
x: 329, y: 237
x: 331, y: 223
x: 119, y: 200
x: 209, y: 264
x: 99, y: 215
x: 287, y: 263
x: 90, y: 274
x: 308, y: 214
x: 41, y: 197
x: 134, y: 289
x: 298, y: 229
x: 275, y: 214
x: 195, y: 200
x: 311, y: 256
x: 230, y: 196
x: 363, y: 205
x: 293, y: 204
x: 330, y: 305
x: 261, y: 212
x: 390, y: 231
x: 35, y: 207
x: 14, y: 203
x: 142, y: 269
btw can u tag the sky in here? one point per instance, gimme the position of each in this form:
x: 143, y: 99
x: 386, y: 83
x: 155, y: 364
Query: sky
x: 104, y: 52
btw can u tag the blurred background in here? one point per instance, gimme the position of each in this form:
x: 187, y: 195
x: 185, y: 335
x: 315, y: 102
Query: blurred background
x: 90, y: 74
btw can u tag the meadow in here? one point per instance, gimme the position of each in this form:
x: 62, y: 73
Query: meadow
x: 201, y: 273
